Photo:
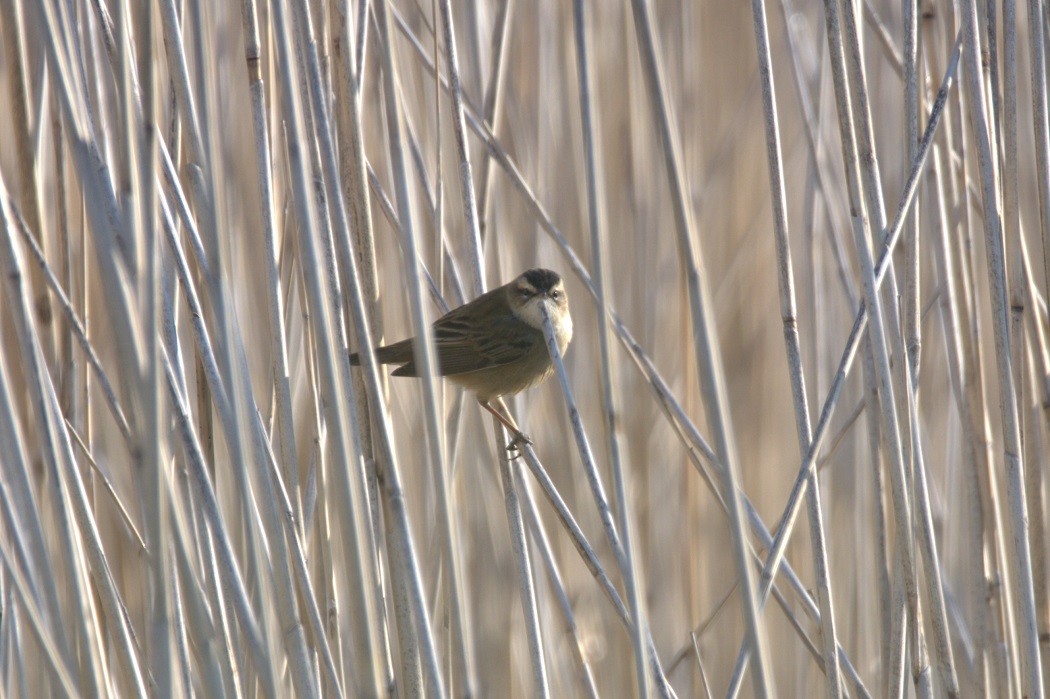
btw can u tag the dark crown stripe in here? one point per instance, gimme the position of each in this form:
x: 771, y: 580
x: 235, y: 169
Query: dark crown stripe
x: 542, y: 279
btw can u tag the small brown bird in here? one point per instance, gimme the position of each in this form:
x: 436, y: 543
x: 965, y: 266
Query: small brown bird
x: 494, y: 345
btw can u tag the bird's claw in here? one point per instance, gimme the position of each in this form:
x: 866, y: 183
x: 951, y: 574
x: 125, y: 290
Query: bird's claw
x: 518, y: 441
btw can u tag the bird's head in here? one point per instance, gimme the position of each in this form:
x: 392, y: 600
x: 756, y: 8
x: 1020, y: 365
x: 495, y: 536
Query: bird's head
x: 538, y: 287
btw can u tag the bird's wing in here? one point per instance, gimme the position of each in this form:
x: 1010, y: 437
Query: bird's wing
x: 462, y: 349
x: 403, y: 352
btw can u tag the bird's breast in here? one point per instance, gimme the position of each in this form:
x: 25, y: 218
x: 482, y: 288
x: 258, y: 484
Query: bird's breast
x: 561, y: 322
x: 562, y: 330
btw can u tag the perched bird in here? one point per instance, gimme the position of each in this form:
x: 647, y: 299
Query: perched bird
x: 494, y: 345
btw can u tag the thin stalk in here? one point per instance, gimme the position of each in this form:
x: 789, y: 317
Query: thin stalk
x: 793, y: 349
x: 275, y: 294
x: 28, y: 175
x: 520, y: 549
x: 697, y: 447
x: 1019, y: 559
x: 787, y: 520
x: 21, y: 515
x: 542, y: 542
x: 348, y: 76
x: 334, y: 373
x: 424, y: 349
x: 912, y: 337
x: 952, y: 324
x: 493, y: 103
x: 705, y: 345
x: 1040, y: 369
x: 579, y: 540
x: 595, y: 212
x: 78, y: 330
x: 466, y: 179
x: 859, y: 153
x: 77, y: 532
x: 598, y: 492
x: 150, y: 450
x: 1037, y: 61
x: 224, y: 559
x: 24, y: 589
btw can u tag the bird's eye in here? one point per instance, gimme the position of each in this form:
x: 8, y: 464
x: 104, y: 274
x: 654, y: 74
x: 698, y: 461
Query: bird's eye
x: 555, y: 294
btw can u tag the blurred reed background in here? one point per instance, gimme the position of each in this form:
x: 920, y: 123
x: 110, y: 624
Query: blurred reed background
x: 205, y: 204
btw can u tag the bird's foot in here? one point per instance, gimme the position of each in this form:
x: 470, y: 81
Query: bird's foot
x: 519, y: 440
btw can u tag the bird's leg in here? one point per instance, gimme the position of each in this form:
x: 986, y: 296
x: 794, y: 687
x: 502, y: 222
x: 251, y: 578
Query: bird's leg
x: 503, y: 415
